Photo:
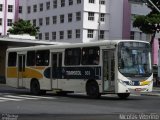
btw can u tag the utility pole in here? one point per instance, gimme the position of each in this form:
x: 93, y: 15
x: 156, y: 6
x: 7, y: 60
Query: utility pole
x: 99, y: 20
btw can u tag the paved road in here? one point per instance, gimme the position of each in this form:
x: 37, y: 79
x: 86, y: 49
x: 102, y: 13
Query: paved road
x: 19, y: 103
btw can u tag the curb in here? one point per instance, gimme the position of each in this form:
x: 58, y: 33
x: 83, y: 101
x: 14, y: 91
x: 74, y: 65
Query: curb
x: 150, y: 94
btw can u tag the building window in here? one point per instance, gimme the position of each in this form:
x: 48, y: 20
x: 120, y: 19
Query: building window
x: 101, y: 34
x: 47, y: 20
x: 78, y: 33
x: 40, y: 36
x: 9, y: 22
x: 34, y: 8
x: 91, y: 16
x: 34, y: 22
x: 132, y: 35
x: 29, y: 9
x: 78, y: 16
x: 102, y: 2
x: 61, y: 18
x: 69, y: 32
x: 40, y: 21
x: 41, y: 7
x: 47, y: 36
x: 54, y: 19
x: 90, y: 33
x: 20, y: 9
x: 10, y: 8
x: 91, y: 1
x: 70, y: 17
x: 1, y: 7
x: 70, y: 2
x: 102, y: 17
x: 53, y: 35
x: 62, y: 3
x: 47, y: 5
x: 0, y: 21
x: 78, y: 1
x: 55, y: 4
x: 61, y: 34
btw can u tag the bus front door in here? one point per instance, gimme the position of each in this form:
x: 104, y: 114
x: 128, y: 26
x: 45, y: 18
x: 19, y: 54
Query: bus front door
x: 108, y: 71
x: 21, y: 69
x: 56, y: 68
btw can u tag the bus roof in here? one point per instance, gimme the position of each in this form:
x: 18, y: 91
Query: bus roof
x: 72, y: 45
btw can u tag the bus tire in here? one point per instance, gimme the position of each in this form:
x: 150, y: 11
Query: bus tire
x: 123, y: 95
x: 92, y: 89
x: 35, y: 87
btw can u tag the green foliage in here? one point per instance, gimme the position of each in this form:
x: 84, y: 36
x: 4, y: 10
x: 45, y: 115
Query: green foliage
x: 149, y: 24
x: 23, y: 27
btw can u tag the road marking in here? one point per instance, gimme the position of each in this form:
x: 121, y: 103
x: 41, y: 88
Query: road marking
x: 5, y: 98
x: 14, y: 97
x: 40, y: 97
x: 18, y: 97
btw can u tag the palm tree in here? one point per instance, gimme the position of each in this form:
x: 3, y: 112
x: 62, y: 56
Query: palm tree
x: 23, y: 27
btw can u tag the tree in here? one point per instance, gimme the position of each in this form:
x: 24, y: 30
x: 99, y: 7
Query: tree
x: 149, y: 24
x: 23, y: 27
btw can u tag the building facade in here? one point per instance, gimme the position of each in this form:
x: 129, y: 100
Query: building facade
x: 75, y: 20
x: 9, y: 10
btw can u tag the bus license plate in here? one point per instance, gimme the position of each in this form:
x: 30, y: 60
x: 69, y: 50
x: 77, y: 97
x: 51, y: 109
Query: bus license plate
x: 138, y: 89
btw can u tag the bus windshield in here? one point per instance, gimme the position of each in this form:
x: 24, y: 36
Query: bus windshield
x: 134, y: 59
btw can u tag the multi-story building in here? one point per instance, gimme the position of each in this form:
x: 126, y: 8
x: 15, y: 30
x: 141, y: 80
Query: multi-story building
x: 69, y: 20
x: 75, y: 20
x: 8, y: 14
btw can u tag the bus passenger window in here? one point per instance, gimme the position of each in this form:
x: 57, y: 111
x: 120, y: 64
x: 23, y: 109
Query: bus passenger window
x: 42, y: 58
x: 12, y: 59
x: 31, y: 58
x: 90, y: 56
x: 72, y: 56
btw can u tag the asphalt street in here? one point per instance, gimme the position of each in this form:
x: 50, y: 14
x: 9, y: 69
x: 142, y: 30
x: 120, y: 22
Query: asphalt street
x: 20, y: 104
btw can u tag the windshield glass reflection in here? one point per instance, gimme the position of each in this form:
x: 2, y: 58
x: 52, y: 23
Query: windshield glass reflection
x: 134, y: 59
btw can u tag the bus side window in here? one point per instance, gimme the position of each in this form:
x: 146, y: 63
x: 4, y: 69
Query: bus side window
x: 31, y: 58
x: 72, y: 56
x: 90, y: 56
x: 42, y: 58
x: 12, y: 59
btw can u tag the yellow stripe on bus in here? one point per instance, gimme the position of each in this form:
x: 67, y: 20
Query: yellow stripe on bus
x: 142, y: 83
x: 29, y: 73
x: 12, y: 72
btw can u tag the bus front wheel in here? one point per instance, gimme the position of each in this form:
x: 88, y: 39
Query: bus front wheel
x: 92, y: 89
x: 35, y: 87
x: 123, y: 95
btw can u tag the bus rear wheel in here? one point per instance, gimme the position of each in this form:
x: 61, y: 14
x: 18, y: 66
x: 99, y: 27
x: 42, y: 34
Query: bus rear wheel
x: 123, y: 95
x: 92, y: 89
x: 35, y: 87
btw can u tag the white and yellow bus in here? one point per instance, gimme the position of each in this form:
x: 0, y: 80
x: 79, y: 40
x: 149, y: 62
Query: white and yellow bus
x: 111, y: 66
